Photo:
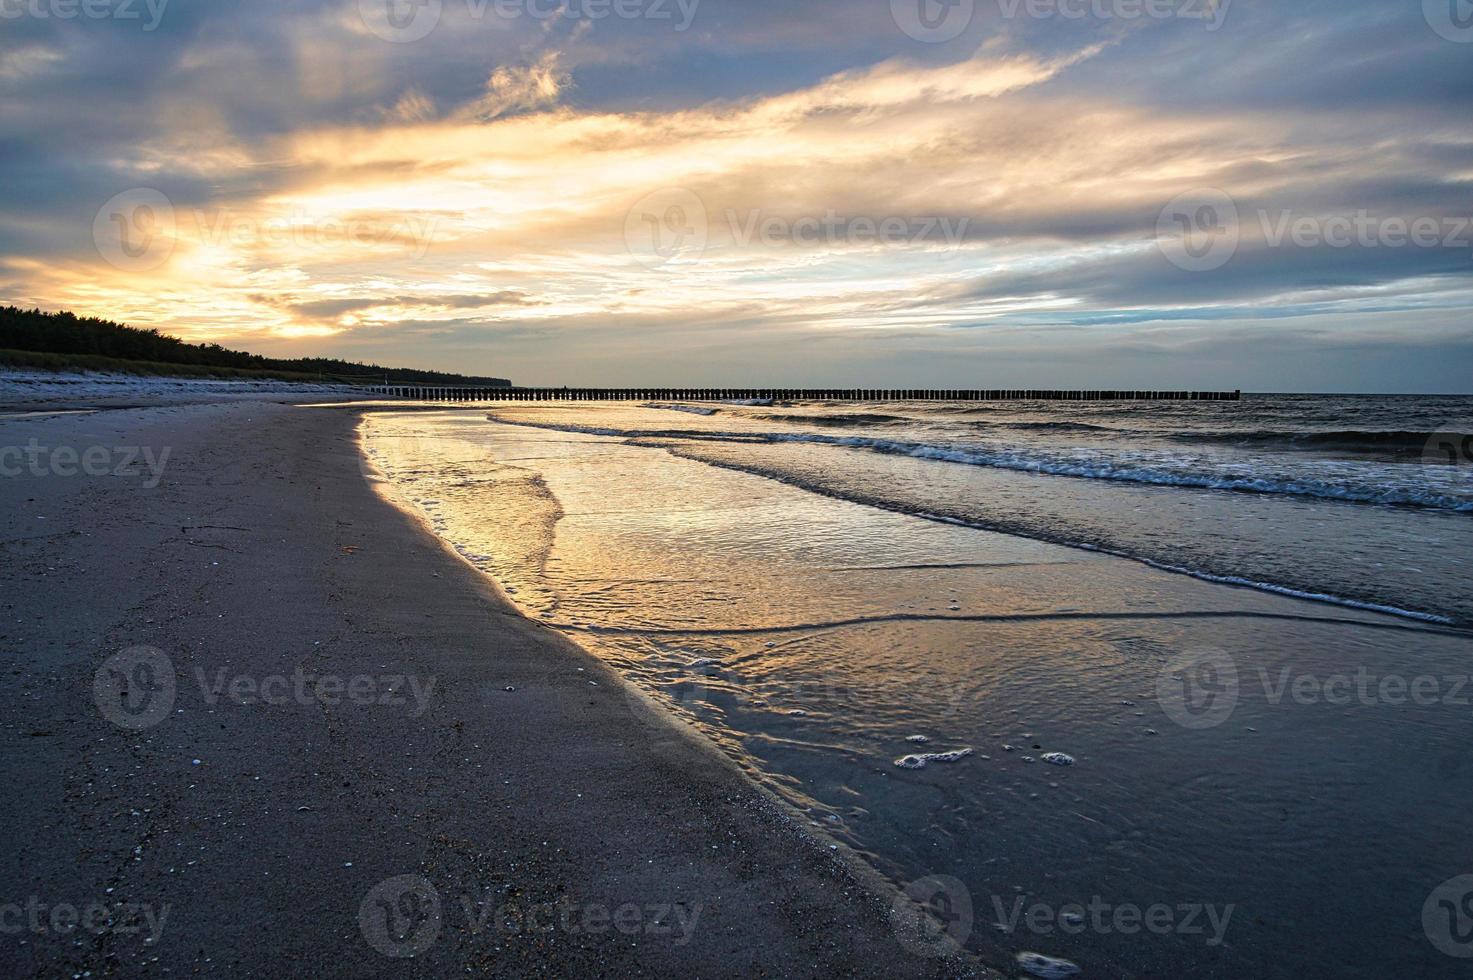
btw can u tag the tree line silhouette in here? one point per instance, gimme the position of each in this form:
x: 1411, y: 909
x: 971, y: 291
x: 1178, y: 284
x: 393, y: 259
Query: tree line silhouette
x: 66, y: 333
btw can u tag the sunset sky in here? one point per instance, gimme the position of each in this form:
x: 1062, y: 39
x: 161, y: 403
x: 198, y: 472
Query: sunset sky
x: 1273, y: 196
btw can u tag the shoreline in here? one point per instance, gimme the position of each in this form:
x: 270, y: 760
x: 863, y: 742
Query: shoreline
x: 676, y: 571
x: 264, y: 553
x: 671, y: 728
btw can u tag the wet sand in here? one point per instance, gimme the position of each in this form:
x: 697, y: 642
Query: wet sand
x: 477, y: 792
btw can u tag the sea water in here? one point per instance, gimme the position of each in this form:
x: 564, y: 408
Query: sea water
x: 1095, y: 665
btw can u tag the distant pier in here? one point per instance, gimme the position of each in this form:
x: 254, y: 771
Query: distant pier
x: 439, y: 394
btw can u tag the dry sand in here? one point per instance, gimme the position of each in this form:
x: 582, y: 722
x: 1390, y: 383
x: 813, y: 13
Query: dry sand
x: 531, y: 784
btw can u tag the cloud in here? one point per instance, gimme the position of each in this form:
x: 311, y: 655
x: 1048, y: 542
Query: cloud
x: 511, y: 90
x: 335, y: 307
x: 622, y: 188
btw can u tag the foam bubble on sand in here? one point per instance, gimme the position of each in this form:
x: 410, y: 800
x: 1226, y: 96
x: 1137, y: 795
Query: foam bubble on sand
x: 1058, y: 758
x: 918, y: 739
x: 922, y: 760
x: 1048, y: 967
x: 705, y: 662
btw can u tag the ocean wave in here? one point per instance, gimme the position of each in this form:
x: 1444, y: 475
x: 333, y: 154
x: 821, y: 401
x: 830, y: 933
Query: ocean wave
x: 838, y: 419
x: 1050, y: 426
x: 1399, y: 442
x: 1095, y: 467
x: 689, y: 409
x: 1129, y: 472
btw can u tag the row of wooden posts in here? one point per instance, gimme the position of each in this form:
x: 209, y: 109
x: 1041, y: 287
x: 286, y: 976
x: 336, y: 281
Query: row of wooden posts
x: 506, y: 394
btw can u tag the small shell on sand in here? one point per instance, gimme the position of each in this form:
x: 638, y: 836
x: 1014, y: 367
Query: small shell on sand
x: 922, y: 760
x: 1048, y: 967
x: 1058, y: 758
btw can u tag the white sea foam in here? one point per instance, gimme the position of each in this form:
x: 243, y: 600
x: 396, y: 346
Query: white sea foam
x: 1048, y: 967
x: 1100, y: 467
x: 691, y: 409
x: 923, y: 759
x: 1094, y: 464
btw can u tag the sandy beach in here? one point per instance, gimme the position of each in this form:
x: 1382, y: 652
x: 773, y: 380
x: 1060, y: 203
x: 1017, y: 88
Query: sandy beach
x: 263, y: 723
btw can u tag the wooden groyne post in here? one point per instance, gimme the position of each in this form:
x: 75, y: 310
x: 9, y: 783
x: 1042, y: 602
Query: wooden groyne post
x: 512, y: 394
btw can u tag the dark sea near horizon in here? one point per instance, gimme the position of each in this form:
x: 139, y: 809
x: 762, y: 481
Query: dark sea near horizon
x: 1068, y: 656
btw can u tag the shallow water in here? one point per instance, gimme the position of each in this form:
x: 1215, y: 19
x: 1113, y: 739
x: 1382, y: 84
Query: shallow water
x: 813, y: 634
